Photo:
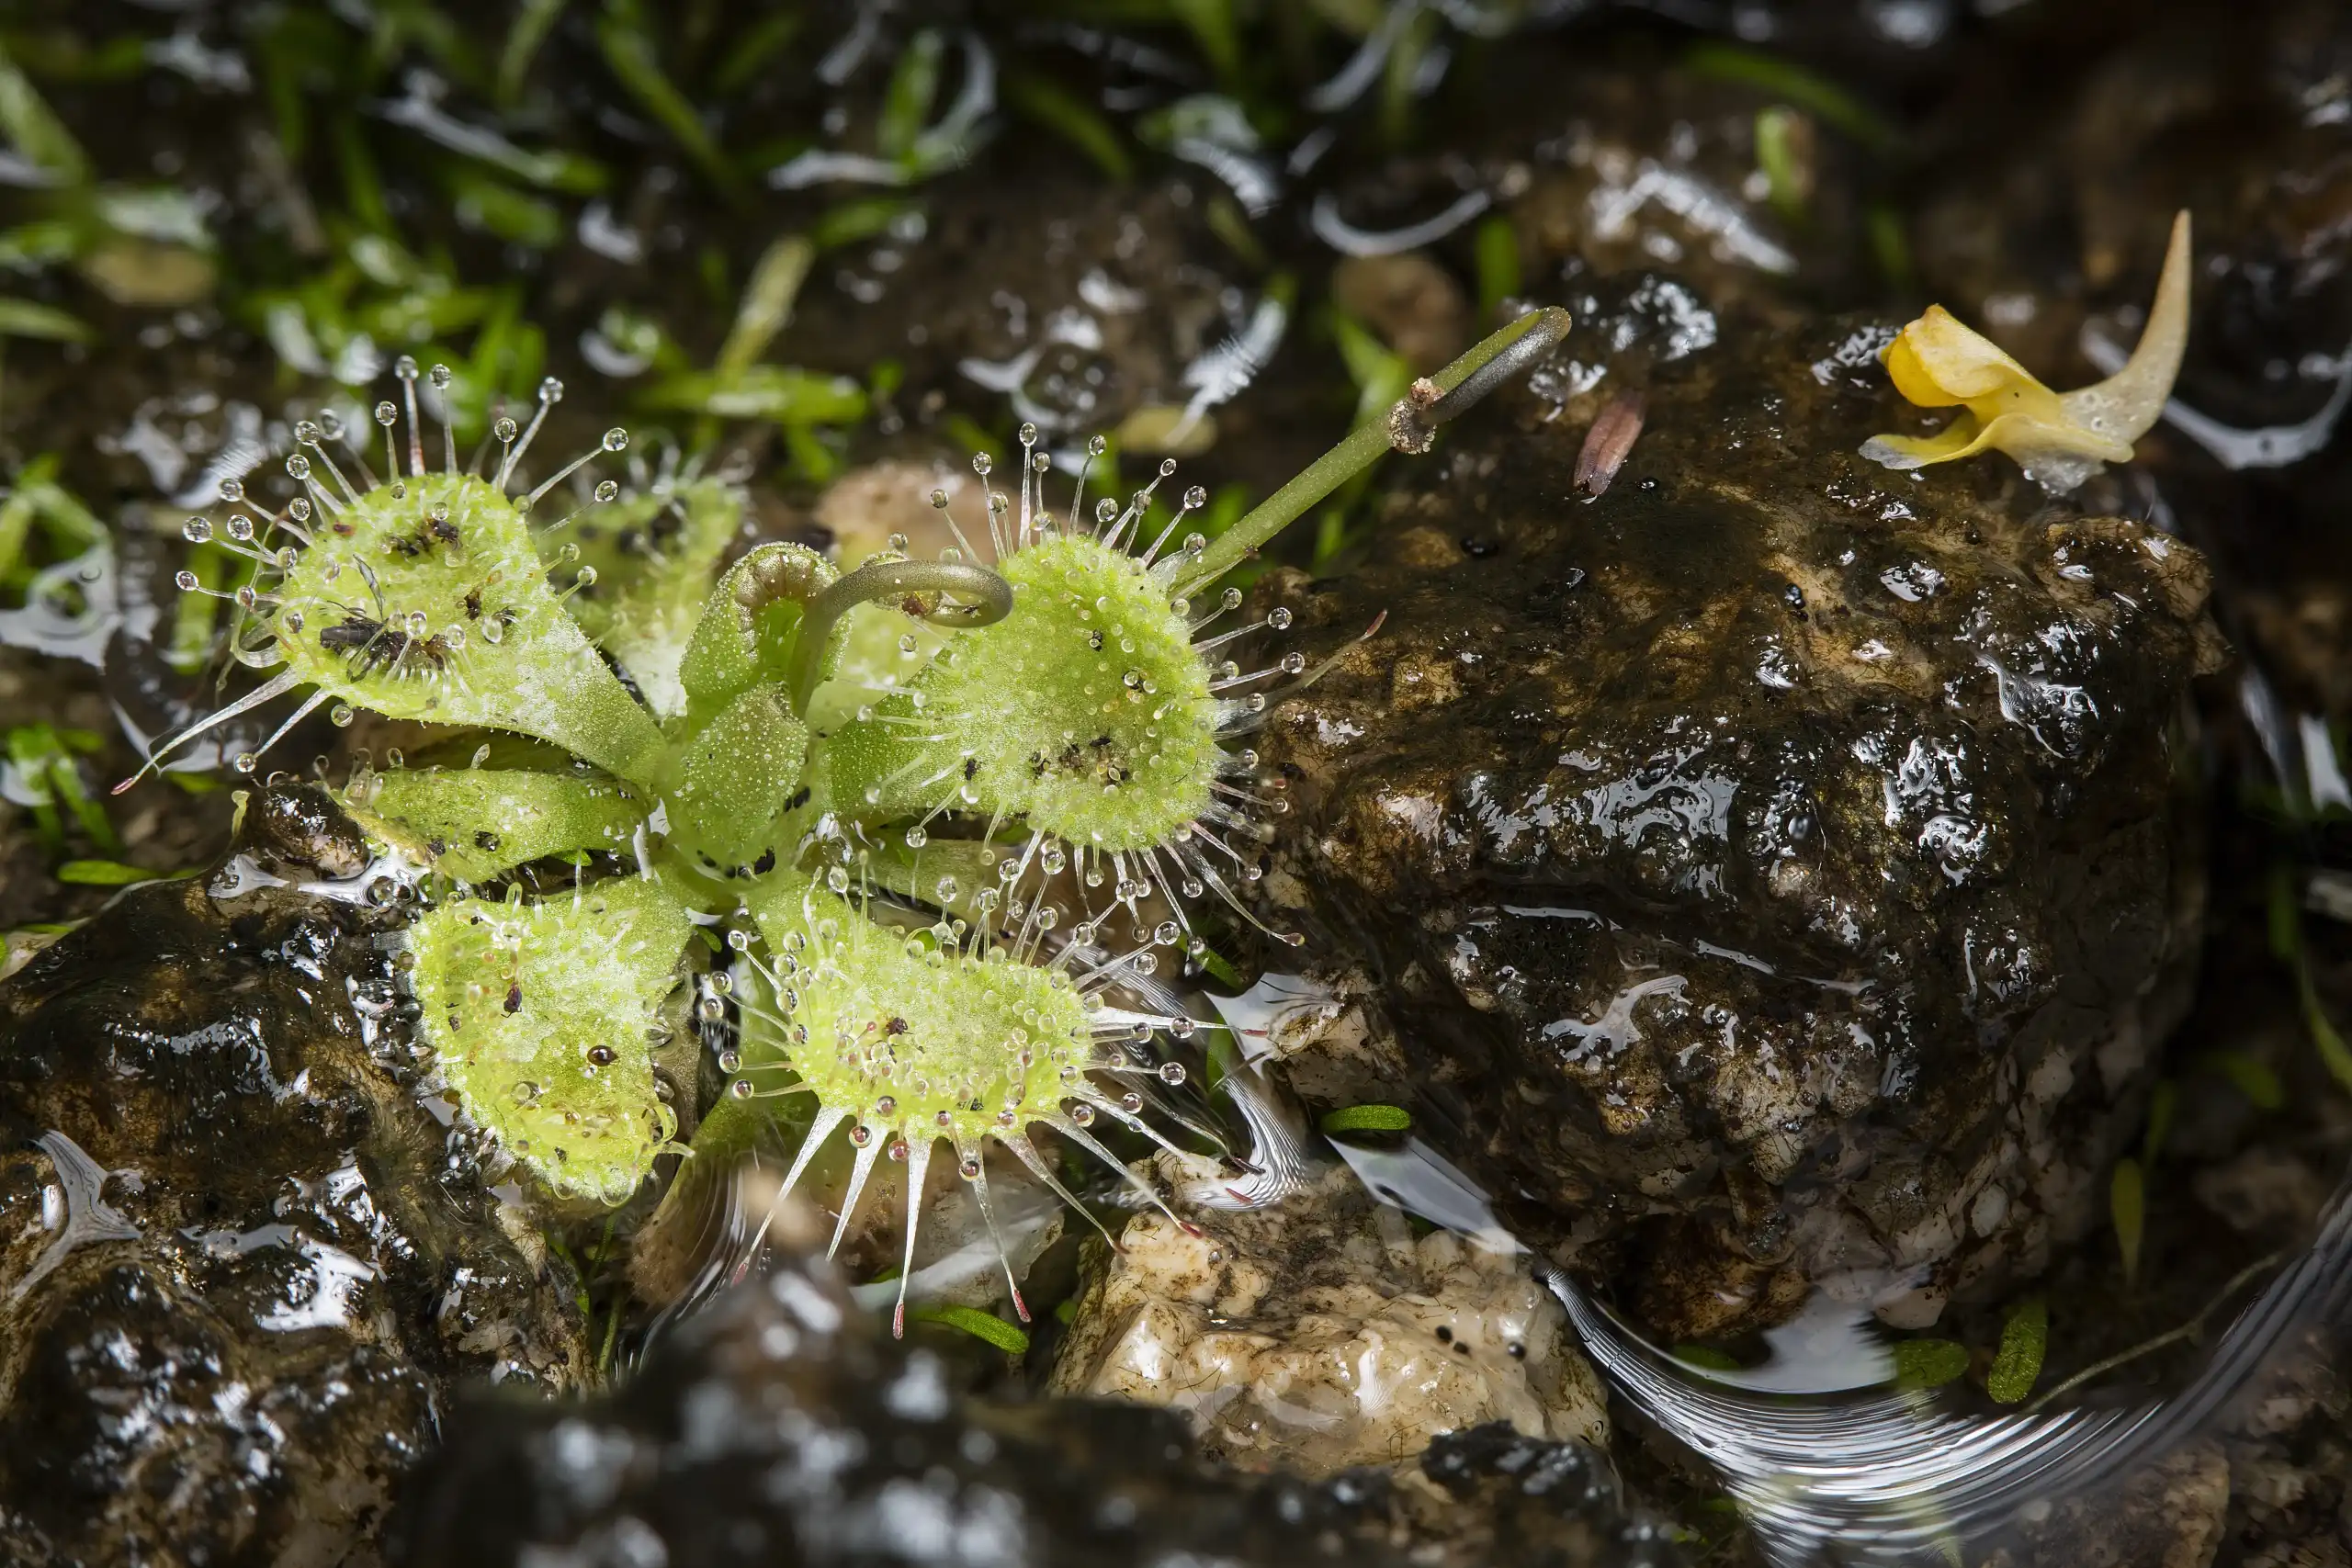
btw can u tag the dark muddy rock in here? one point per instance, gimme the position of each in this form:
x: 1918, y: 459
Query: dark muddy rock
x: 299, y: 825
x: 1776, y: 865
x: 1662, y: 168
x: 245, y: 1262
x: 1536, y: 1505
x: 780, y: 1428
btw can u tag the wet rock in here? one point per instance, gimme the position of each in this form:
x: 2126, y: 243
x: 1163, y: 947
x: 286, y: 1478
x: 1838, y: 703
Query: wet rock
x: 244, y: 1263
x: 301, y: 824
x: 1537, y: 1504
x: 1322, y: 1334
x: 1779, y: 867
x: 779, y: 1427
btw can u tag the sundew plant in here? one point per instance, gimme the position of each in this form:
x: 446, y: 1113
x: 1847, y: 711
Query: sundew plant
x: 936, y: 911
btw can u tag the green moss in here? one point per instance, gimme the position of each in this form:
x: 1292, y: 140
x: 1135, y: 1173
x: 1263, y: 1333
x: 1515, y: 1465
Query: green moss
x: 1928, y: 1363
x: 981, y: 1326
x: 2025, y: 1339
x: 1367, y: 1119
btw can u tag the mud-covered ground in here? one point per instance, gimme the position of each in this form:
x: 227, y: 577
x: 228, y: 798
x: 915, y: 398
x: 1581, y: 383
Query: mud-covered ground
x: 1755, y: 869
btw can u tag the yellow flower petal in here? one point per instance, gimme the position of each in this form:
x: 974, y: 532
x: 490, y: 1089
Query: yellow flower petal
x: 2060, y: 440
x: 1938, y: 361
x: 2026, y: 435
x: 1964, y: 437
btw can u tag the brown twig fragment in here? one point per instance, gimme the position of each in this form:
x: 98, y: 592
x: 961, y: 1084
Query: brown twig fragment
x: 1609, y: 443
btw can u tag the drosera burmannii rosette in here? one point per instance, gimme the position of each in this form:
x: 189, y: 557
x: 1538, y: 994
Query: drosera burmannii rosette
x: 940, y: 918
